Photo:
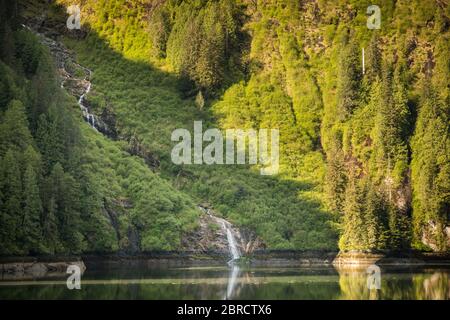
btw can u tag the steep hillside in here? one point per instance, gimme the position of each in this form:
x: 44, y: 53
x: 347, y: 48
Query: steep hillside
x: 362, y: 155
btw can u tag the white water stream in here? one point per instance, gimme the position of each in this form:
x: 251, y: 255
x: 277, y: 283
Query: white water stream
x: 89, y: 117
x: 229, y: 232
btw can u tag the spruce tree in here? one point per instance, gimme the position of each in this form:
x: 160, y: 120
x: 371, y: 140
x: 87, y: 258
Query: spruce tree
x: 50, y: 228
x: 373, y: 63
x: 14, y: 130
x: 354, y: 228
x: 31, y: 230
x: 11, y: 210
x: 336, y: 179
x: 375, y: 218
x: 430, y: 171
x: 349, y: 78
x: 64, y: 204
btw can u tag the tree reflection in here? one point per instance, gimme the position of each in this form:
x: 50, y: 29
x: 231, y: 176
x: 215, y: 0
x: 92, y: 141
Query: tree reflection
x: 401, y: 285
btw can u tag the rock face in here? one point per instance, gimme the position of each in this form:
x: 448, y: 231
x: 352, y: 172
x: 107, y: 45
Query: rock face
x: 430, y: 233
x: 213, y: 236
x: 137, y: 148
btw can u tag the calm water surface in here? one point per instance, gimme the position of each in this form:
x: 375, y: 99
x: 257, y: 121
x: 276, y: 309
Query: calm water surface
x: 236, y: 283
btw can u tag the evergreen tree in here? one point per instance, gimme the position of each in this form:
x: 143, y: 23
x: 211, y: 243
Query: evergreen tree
x: 373, y: 59
x: 64, y: 203
x: 200, y: 42
x: 31, y: 230
x: 430, y: 168
x: 336, y: 179
x: 49, y: 141
x: 11, y: 210
x: 50, y: 228
x: 160, y: 30
x: 354, y: 234
x: 14, y: 131
x: 348, y: 80
x: 376, y: 219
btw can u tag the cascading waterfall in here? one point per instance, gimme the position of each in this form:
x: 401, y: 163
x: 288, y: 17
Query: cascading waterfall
x: 231, y: 239
x: 235, y: 254
x: 89, y: 117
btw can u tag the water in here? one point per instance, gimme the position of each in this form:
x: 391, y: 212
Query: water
x: 230, y: 235
x: 236, y: 283
x: 234, y: 251
x: 89, y: 117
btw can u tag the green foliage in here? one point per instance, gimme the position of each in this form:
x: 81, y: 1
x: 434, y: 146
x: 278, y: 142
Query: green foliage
x: 12, y: 191
x: 354, y: 235
x: 32, y: 211
x: 14, y: 128
x: 202, y: 40
x: 430, y: 171
x: 348, y: 80
x: 28, y: 51
x: 345, y: 137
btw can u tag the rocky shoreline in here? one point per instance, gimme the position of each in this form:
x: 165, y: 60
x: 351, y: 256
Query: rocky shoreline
x: 31, y: 268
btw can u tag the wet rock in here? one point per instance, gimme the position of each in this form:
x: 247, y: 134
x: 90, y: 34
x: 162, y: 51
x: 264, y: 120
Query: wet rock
x: 137, y: 148
x: 211, y: 236
x: 107, y: 123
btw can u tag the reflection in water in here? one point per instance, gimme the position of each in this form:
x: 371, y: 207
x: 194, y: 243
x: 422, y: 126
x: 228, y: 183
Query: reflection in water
x: 236, y: 283
x: 234, y: 274
x: 429, y: 285
x: 436, y: 286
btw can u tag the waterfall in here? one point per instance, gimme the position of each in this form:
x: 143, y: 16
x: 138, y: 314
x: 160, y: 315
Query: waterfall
x: 229, y: 233
x: 89, y: 117
x: 231, y: 243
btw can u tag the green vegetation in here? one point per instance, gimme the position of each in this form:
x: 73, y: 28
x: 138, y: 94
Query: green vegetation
x: 61, y: 183
x: 365, y: 156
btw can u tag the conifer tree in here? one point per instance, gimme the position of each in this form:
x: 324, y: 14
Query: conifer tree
x: 50, y: 228
x: 64, y: 201
x: 430, y: 168
x: 31, y: 230
x: 376, y: 219
x: 11, y: 210
x: 348, y: 80
x: 336, y: 179
x: 373, y: 59
x: 354, y: 227
x: 14, y: 131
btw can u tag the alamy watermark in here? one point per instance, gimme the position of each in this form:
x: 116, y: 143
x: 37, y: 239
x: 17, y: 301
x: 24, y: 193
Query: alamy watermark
x: 373, y: 277
x: 256, y: 142
x: 74, y: 280
x: 74, y: 20
x: 374, y: 19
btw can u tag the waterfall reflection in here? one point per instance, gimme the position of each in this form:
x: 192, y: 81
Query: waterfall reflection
x: 233, y: 276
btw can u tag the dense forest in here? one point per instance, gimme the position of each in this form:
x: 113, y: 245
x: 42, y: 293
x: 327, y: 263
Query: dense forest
x: 364, y: 156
